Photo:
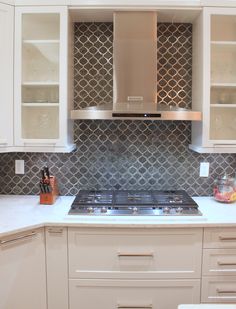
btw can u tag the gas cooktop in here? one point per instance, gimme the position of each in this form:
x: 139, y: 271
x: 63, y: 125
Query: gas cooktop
x: 126, y: 203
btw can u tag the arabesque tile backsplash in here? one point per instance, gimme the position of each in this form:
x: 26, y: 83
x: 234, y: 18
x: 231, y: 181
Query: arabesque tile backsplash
x: 124, y: 154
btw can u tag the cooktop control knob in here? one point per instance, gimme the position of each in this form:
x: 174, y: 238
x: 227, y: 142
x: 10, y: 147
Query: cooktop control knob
x: 166, y: 210
x: 179, y: 210
x: 135, y: 210
x: 90, y: 209
x: 103, y: 210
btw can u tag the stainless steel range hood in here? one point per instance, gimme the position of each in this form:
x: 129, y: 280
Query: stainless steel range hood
x: 135, y: 74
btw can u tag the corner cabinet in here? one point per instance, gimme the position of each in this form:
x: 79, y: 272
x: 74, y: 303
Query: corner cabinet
x: 23, y: 271
x: 214, y: 81
x: 42, y: 74
x: 6, y: 76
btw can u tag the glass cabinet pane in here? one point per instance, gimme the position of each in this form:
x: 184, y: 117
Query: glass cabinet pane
x: 223, y: 79
x: 40, y: 94
x: 223, y: 123
x: 223, y: 95
x: 223, y: 28
x: 40, y: 75
x: 40, y: 123
x: 41, y: 26
x: 40, y: 61
x: 223, y: 63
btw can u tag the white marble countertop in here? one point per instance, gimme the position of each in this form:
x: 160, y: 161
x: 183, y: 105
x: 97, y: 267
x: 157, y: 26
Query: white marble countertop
x: 20, y: 213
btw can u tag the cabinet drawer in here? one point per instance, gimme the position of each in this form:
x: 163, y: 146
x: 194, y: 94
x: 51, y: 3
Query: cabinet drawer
x: 134, y: 254
x: 220, y: 238
x: 219, y: 262
x: 219, y: 289
x: 132, y: 294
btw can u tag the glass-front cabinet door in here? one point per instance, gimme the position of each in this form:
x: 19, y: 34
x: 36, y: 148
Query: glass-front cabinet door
x: 222, y: 128
x: 214, y: 80
x: 41, y: 102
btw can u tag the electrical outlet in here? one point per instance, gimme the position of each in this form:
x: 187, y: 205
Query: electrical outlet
x: 19, y: 167
x: 204, y: 169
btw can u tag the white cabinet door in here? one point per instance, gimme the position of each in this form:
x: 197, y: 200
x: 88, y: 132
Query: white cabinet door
x: 57, y: 267
x: 6, y: 76
x: 41, y: 79
x: 135, y: 254
x: 133, y: 294
x: 22, y: 271
x: 214, y: 80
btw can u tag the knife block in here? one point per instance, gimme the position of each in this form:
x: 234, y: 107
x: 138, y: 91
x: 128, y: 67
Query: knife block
x: 50, y: 198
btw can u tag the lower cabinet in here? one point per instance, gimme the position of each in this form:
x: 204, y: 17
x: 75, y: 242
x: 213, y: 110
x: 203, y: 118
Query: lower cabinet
x: 219, y: 266
x: 22, y: 271
x: 133, y: 294
x: 134, y: 268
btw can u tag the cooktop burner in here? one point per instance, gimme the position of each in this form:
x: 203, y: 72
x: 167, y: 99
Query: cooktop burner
x: 151, y: 203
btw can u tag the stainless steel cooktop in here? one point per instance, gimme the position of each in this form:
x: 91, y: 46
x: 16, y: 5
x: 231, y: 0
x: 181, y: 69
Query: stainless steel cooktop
x: 145, y: 203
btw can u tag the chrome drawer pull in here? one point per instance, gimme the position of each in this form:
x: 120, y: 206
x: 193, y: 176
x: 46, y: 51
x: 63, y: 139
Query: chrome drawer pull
x: 134, y: 307
x: 4, y: 242
x: 225, y: 291
x: 55, y: 231
x: 135, y: 255
x: 226, y: 263
x: 227, y: 238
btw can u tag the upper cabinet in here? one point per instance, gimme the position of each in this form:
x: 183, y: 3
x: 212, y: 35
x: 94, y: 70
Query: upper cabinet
x: 214, y: 81
x: 110, y: 3
x: 6, y: 76
x: 225, y: 3
x: 41, y: 80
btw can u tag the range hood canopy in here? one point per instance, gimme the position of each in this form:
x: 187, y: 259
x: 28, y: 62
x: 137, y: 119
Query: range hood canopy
x: 135, y: 73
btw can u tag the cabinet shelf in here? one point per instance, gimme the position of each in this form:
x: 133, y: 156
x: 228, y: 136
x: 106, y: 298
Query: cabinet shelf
x: 40, y: 84
x: 223, y: 85
x: 37, y: 104
x: 41, y: 42
x: 222, y: 105
x: 223, y: 43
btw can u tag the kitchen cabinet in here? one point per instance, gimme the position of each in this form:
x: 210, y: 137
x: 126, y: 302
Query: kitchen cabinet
x: 42, y: 96
x: 225, y: 3
x: 110, y: 3
x: 219, y: 265
x: 134, y: 268
x: 57, y: 267
x: 22, y: 271
x: 214, y: 81
x: 148, y: 294
x: 6, y: 76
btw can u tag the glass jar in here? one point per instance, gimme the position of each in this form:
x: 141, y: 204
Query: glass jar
x: 225, y: 189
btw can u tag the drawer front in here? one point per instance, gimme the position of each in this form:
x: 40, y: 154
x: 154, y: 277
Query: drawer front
x: 219, y: 238
x: 219, y: 289
x: 136, y: 254
x: 219, y: 262
x: 132, y: 294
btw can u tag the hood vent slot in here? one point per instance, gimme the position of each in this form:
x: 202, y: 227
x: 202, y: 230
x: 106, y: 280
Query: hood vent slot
x: 135, y: 62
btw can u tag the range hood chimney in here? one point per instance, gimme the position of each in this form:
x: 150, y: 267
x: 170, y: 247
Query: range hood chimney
x: 135, y: 63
